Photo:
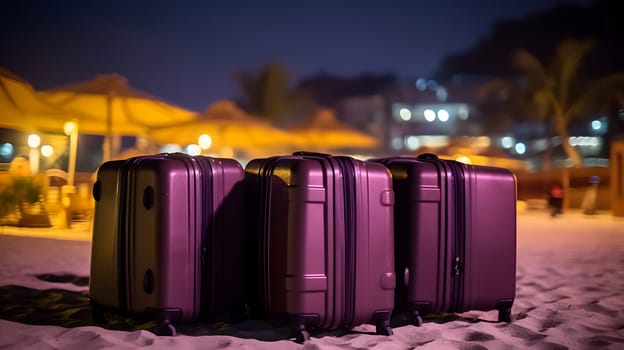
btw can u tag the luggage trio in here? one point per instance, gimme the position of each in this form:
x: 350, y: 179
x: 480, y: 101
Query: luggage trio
x: 327, y: 241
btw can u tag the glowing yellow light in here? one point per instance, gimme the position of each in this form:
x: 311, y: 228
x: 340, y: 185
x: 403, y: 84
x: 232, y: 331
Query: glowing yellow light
x: 47, y: 150
x: 34, y: 140
x: 205, y: 141
x: 69, y: 128
x: 463, y: 159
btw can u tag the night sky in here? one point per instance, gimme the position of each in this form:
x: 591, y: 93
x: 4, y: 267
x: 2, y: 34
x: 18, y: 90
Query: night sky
x: 188, y: 51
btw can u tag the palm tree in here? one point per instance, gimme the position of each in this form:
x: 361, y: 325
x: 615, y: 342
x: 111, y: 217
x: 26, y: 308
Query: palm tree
x: 268, y: 93
x: 556, y: 93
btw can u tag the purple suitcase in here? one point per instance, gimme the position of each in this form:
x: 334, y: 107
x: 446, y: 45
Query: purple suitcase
x: 322, y: 241
x: 455, y: 236
x: 168, y: 239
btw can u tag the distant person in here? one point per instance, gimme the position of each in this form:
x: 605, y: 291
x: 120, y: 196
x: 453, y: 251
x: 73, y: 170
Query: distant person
x: 591, y: 194
x: 555, y: 200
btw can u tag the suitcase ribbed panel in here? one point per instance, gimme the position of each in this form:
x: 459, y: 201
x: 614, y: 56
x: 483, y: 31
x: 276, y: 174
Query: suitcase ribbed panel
x: 463, y: 218
x: 164, y: 234
x: 314, y: 226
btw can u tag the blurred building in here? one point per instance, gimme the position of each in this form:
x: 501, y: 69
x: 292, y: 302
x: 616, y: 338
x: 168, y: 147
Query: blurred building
x: 423, y: 113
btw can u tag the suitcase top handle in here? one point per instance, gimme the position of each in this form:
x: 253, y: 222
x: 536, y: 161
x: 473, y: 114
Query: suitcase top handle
x: 427, y: 156
x: 312, y: 154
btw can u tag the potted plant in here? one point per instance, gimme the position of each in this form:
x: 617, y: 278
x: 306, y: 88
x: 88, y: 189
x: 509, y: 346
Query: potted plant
x: 24, y: 197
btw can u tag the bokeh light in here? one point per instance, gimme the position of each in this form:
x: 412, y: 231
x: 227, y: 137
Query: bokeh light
x: 507, y: 142
x: 34, y: 140
x: 205, y: 141
x: 429, y: 115
x: 441, y: 94
x: 47, y: 150
x: 405, y: 114
x: 412, y: 142
x: 396, y: 143
x: 69, y: 128
x: 596, y: 124
x: 6, y: 150
x: 443, y: 115
x: 421, y: 84
x: 463, y: 159
x: 171, y: 148
x: 193, y: 150
x: 463, y: 112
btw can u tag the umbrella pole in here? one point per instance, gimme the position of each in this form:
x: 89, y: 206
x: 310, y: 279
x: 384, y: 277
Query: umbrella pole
x: 73, y: 149
x: 107, y: 146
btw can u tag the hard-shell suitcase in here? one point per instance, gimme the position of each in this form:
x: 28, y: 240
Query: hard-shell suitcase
x: 321, y: 241
x: 455, y: 239
x: 168, y: 238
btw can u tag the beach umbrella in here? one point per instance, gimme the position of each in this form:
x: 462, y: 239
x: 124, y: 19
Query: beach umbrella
x: 22, y: 109
x: 226, y: 126
x: 115, y: 108
x: 324, y: 131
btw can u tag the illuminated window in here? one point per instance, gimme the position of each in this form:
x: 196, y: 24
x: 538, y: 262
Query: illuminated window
x: 596, y: 125
x: 405, y: 114
x: 443, y: 115
x: 429, y: 115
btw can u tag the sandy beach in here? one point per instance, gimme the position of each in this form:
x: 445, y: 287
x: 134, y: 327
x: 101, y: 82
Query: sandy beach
x: 570, y: 286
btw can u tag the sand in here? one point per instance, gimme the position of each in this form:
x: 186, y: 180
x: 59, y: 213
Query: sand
x: 570, y: 286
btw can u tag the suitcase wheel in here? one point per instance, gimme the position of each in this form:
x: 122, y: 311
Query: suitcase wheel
x: 504, y: 315
x: 97, y: 314
x: 415, y: 319
x: 299, y: 322
x: 164, y: 328
x: 384, y: 329
x: 382, y: 322
x: 302, y: 335
x: 504, y: 310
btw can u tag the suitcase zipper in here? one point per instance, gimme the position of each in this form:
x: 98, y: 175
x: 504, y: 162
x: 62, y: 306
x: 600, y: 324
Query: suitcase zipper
x: 126, y: 205
x: 206, y: 235
x: 349, y: 189
x: 264, y: 174
x: 457, y: 197
x: 459, y: 238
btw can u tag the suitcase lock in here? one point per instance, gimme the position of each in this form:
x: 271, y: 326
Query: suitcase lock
x: 457, y: 266
x: 406, y: 276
